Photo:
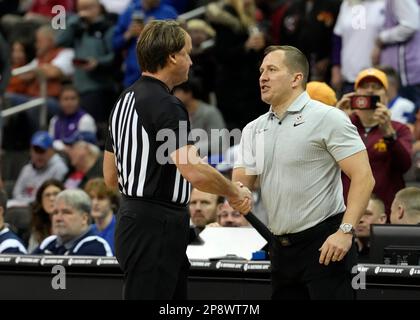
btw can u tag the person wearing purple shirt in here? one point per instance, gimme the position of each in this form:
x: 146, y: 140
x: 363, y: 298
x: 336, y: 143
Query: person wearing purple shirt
x: 71, y: 117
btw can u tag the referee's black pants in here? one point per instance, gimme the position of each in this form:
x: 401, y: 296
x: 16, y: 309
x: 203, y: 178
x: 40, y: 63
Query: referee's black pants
x: 296, y: 272
x: 150, y: 246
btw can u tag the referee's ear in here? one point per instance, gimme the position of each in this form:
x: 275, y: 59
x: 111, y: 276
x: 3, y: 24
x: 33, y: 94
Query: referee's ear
x: 172, y: 58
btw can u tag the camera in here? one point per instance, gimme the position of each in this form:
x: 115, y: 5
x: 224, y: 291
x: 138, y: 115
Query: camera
x: 360, y: 102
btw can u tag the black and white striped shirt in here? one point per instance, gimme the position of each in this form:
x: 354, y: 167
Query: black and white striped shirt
x: 144, y: 113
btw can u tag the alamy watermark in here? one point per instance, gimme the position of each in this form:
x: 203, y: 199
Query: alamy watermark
x: 251, y: 155
x: 358, y: 17
x: 58, y: 22
x: 358, y: 282
x: 58, y: 281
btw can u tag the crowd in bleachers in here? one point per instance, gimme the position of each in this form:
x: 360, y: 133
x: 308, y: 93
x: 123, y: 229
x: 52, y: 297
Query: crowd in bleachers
x: 362, y: 46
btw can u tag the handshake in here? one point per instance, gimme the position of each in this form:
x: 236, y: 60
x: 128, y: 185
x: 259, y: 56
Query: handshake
x: 242, y: 202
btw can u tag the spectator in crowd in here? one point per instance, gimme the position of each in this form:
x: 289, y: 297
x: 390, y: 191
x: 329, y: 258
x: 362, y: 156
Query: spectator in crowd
x: 358, y: 24
x: 308, y: 25
x: 238, y: 50
x: 398, y: 45
x: 388, y: 143
x: 70, y: 223
x: 71, y: 117
x: 53, y: 62
x: 18, y: 129
x: 203, y: 208
x: 104, y: 206
x: 402, y: 109
x: 405, y: 208
x: 22, y: 53
x: 202, y: 35
x: 89, y: 33
x: 129, y: 27
x: 229, y: 217
x: 204, y: 63
x: 42, y: 210
x: 321, y: 92
x: 9, y: 241
x: 374, y: 214
x: 45, y: 164
x: 203, y: 118
x: 85, y: 157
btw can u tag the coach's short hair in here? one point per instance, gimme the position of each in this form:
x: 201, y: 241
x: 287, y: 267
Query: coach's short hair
x: 294, y: 59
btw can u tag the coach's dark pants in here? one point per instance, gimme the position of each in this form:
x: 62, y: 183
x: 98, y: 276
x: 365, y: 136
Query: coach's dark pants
x: 150, y: 246
x: 297, y: 273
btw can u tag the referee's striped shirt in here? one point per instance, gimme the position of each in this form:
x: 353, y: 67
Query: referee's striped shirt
x: 143, y: 110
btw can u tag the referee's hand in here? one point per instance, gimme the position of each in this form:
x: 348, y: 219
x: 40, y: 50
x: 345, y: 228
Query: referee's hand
x: 243, y: 201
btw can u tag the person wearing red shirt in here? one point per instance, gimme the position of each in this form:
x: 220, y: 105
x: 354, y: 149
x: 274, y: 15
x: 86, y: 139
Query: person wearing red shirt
x: 388, y: 143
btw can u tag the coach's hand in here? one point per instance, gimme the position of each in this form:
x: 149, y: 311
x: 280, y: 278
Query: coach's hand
x: 335, y: 247
x: 243, y: 201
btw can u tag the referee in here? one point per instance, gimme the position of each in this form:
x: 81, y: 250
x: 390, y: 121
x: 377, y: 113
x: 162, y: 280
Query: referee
x: 153, y: 223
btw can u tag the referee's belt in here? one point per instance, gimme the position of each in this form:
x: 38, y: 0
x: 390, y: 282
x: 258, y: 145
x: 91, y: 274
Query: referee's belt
x: 289, y: 239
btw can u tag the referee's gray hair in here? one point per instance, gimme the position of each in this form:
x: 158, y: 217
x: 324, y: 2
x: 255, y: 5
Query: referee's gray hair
x: 75, y: 198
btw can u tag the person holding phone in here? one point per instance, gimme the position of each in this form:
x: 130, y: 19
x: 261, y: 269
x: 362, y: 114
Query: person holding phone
x: 388, y: 142
x: 89, y: 33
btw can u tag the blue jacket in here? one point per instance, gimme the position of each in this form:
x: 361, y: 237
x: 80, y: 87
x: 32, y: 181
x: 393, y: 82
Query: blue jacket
x: 108, y: 233
x: 132, y: 70
x: 88, y: 244
x: 10, y: 242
